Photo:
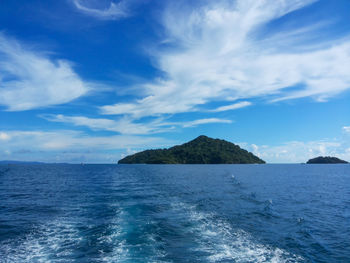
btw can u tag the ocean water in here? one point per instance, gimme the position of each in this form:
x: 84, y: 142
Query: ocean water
x: 175, y: 213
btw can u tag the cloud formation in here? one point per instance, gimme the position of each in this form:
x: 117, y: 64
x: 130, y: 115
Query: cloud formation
x: 71, y: 146
x: 122, y: 126
x: 127, y: 126
x: 70, y: 139
x: 75, y: 146
x: 217, y: 52
x: 205, y: 121
x: 235, y: 106
x: 30, y: 80
x: 346, y: 129
x: 114, y: 11
x: 4, y: 136
x: 300, y: 152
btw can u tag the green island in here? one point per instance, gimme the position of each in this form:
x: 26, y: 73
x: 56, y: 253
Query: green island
x: 202, y: 150
x: 325, y: 159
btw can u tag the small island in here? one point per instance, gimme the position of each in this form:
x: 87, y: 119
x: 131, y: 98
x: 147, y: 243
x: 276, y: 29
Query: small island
x: 202, y: 150
x: 325, y: 159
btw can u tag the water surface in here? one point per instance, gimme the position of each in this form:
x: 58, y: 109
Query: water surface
x: 175, y: 213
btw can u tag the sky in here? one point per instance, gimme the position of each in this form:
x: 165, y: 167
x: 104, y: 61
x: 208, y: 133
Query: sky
x: 95, y: 80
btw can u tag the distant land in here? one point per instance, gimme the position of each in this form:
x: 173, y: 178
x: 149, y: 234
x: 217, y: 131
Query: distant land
x: 202, y: 150
x: 325, y: 159
x: 25, y: 162
x: 18, y: 162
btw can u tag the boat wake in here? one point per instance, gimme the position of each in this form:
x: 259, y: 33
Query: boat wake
x: 217, y: 241
x: 55, y: 241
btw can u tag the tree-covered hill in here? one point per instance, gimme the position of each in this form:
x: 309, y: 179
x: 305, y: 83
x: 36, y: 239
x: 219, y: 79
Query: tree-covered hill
x: 202, y: 150
x: 326, y: 159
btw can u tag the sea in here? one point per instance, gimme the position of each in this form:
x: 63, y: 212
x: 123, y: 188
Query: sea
x: 174, y: 213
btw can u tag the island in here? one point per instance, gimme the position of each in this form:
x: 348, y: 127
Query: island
x: 202, y: 150
x: 325, y: 159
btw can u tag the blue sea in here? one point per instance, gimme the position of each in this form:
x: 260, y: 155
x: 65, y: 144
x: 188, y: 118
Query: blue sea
x: 174, y: 213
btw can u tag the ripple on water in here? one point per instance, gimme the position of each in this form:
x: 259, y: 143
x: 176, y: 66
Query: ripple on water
x: 218, y: 241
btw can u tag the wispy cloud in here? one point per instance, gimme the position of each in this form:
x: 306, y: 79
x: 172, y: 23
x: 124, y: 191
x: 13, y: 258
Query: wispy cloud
x: 4, y: 136
x: 217, y: 52
x: 122, y: 125
x: 346, y: 129
x: 29, y: 79
x: 128, y: 126
x: 300, y: 152
x: 71, y: 146
x: 205, y: 121
x: 112, y: 12
x: 70, y: 139
x: 74, y: 146
x: 235, y: 106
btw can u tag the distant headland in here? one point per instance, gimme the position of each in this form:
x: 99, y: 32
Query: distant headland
x: 325, y: 159
x: 202, y: 150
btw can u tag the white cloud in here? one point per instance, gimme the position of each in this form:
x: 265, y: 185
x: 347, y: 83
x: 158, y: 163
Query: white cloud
x: 235, y: 106
x: 112, y: 12
x: 4, y: 136
x: 128, y: 152
x: 72, y: 146
x: 31, y: 80
x: 123, y: 125
x: 205, y: 121
x: 300, y: 152
x: 215, y: 52
x: 346, y: 129
x: 128, y: 126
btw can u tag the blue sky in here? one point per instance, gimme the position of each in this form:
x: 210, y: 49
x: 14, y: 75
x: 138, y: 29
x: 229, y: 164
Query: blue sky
x: 95, y: 80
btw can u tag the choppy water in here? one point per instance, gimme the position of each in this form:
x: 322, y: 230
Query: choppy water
x: 175, y: 213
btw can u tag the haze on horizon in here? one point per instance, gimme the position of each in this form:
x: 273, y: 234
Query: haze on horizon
x: 92, y: 81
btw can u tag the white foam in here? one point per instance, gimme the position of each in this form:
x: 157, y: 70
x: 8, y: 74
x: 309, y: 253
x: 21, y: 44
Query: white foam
x: 120, y: 252
x: 43, y: 244
x: 123, y: 251
x: 216, y: 240
x: 58, y: 241
x: 220, y: 242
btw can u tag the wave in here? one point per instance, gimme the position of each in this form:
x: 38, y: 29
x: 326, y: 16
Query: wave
x: 217, y: 241
x: 132, y: 240
x: 137, y: 231
x: 124, y: 239
x: 50, y: 242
